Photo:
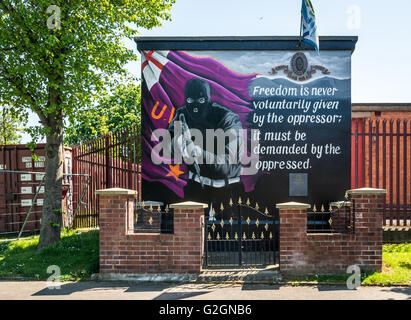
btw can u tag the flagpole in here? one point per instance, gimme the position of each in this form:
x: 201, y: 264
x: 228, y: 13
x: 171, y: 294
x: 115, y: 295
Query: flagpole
x: 301, y: 31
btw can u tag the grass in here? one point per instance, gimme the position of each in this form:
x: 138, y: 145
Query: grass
x: 396, y: 266
x: 77, y: 255
x: 396, y: 269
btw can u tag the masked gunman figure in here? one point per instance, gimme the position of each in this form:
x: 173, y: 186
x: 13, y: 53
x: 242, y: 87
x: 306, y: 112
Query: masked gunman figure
x: 208, y: 137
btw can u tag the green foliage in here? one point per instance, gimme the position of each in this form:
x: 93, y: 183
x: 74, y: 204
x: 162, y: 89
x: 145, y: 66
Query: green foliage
x: 56, y: 72
x: 10, y: 125
x: 401, y: 247
x: 77, y: 255
x: 59, y: 211
x: 118, y: 109
x: 397, y: 266
x: 57, y: 56
x: 54, y: 225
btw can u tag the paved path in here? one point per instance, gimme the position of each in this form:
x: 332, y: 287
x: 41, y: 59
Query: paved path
x: 11, y: 290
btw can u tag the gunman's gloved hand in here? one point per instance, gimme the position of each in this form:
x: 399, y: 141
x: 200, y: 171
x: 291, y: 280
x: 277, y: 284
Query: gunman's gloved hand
x: 181, y: 146
x: 193, y: 150
x: 188, y: 149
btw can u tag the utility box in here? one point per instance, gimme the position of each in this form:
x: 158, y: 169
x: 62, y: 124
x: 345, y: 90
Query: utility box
x: 291, y: 105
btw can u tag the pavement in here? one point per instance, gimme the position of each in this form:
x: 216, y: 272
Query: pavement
x: 102, y: 290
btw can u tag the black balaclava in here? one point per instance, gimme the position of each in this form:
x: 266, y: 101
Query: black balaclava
x: 197, y: 97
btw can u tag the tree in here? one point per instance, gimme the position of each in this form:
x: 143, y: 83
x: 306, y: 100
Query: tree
x: 115, y: 110
x: 10, y: 126
x: 55, y: 56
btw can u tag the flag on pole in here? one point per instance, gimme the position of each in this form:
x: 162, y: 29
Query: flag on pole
x: 309, y: 32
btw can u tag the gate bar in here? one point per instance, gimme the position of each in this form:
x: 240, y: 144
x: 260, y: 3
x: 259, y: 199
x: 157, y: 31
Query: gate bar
x: 240, y: 258
x: 81, y: 200
x: 405, y: 172
x: 31, y: 207
x: 384, y: 168
x: 398, y: 212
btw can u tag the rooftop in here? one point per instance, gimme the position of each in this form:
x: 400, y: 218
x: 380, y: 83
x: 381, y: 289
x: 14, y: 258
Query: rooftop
x: 243, y: 43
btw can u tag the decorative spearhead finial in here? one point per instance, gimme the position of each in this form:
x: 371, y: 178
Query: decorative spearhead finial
x: 239, y: 200
x: 322, y: 208
x: 314, y: 209
x: 231, y: 202
x: 248, y: 202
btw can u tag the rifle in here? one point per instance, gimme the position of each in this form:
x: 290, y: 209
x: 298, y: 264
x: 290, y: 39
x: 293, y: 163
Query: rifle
x: 185, y: 129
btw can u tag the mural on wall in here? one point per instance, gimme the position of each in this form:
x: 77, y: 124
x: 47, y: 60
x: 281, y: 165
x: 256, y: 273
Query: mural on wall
x: 273, y: 126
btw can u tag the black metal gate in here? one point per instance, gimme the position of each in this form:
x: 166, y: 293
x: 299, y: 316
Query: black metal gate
x: 238, y: 235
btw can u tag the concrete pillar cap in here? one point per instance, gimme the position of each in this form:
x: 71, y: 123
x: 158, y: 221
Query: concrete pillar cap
x: 292, y: 205
x: 188, y: 205
x: 367, y: 191
x: 116, y: 192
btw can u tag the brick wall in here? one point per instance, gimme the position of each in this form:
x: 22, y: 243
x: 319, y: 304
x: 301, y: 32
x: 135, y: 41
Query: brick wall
x: 332, y: 253
x: 122, y: 251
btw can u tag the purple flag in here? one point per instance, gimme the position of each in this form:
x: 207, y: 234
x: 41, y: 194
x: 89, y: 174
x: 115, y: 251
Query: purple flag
x: 165, y: 74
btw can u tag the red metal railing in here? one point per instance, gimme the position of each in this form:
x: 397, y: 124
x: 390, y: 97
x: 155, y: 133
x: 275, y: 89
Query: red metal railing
x: 381, y: 158
x: 112, y: 162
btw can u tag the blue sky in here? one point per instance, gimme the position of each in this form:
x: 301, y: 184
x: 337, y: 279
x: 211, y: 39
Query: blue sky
x: 381, y: 63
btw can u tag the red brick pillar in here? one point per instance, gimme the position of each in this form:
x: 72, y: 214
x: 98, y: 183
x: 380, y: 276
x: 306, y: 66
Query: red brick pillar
x: 367, y: 204
x: 188, y: 241
x: 293, y: 234
x: 124, y: 251
x: 114, y: 204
